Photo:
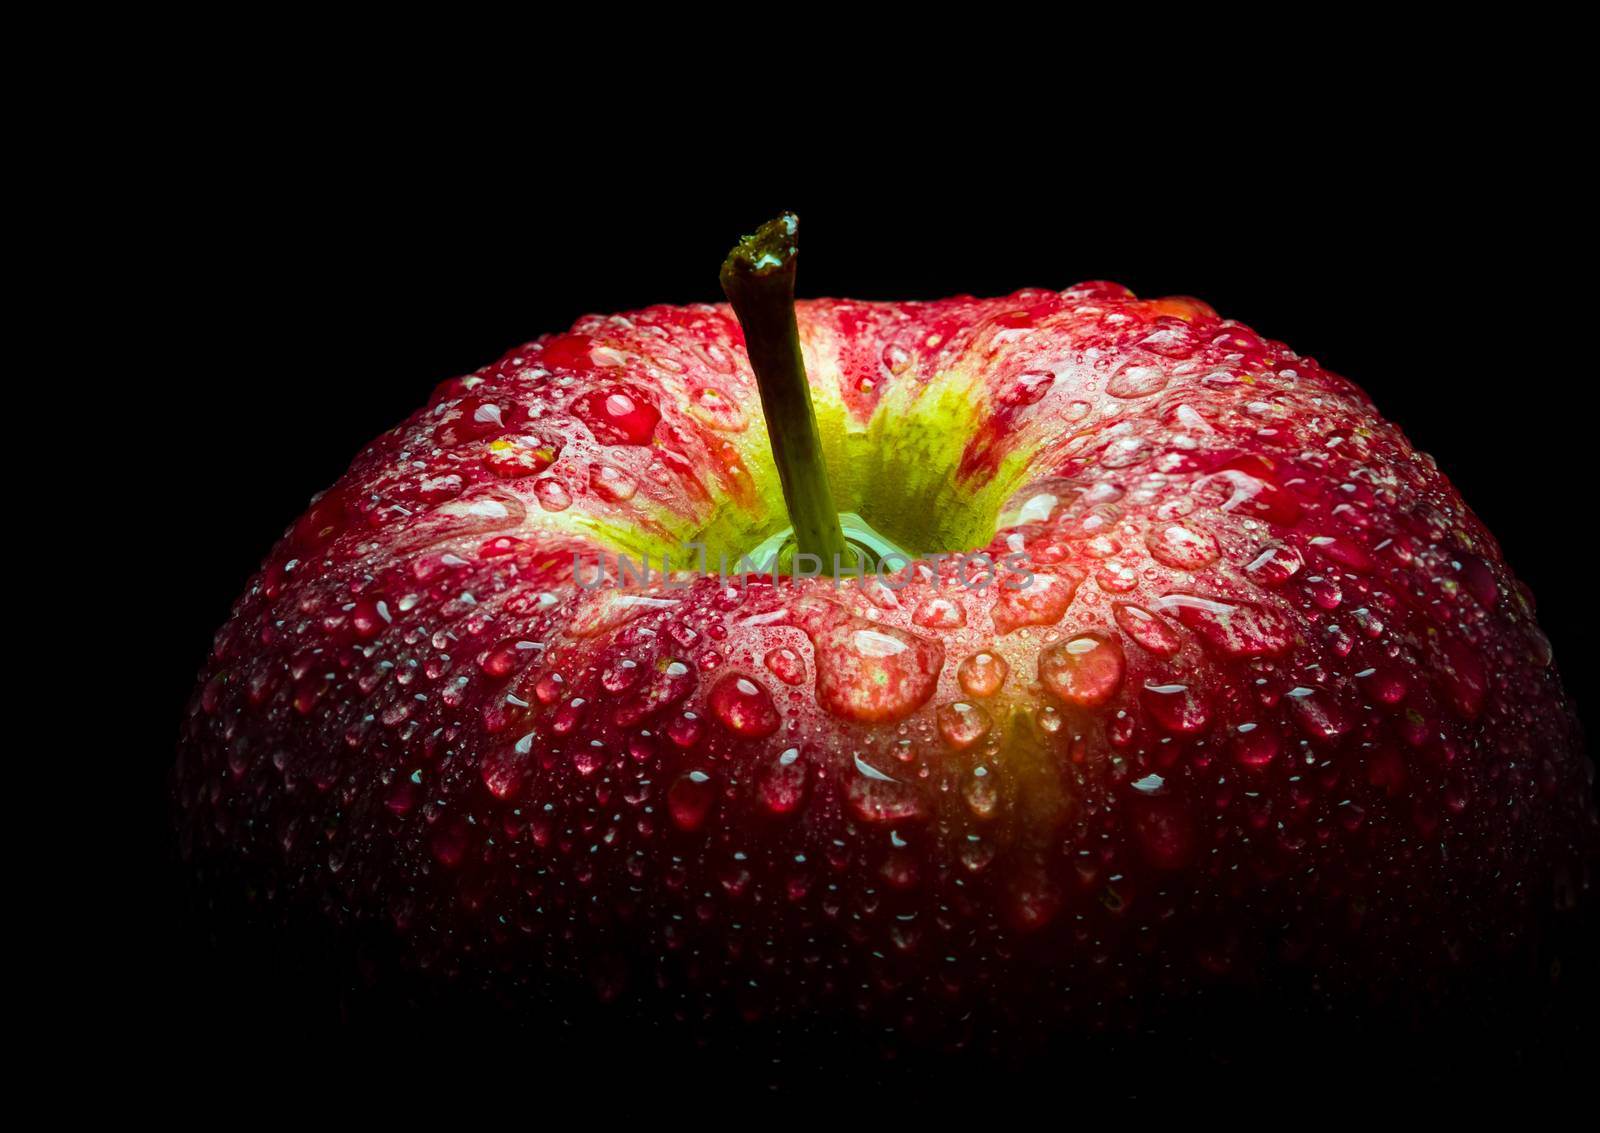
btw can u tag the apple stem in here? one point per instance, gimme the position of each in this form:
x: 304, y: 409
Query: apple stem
x: 758, y: 279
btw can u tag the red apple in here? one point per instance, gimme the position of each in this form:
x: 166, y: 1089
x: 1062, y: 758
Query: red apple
x: 1248, y: 695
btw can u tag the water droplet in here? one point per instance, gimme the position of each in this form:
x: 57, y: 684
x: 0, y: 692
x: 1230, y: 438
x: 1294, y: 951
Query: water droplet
x: 689, y: 800
x: 611, y: 483
x: 1384, y: 684
x: 879, y: 798
x: 502, y: 771
x: 1177, y: 707
x: 1479, y: 580
x: 1318, y: 716
x: 621, y: 676
x: 717, y: 410
x: 671, y: 681
x: 1343, y: 552
x: 1028, y: 389
x: 1276, y: 565
x: 1038, y: 503
x: 786, y: 664
x: 511, y: 458
x: 1125, y: 452
x: 1137, y: 380
x: 744, y: 707
x: 1042, y: 601
x: 962, y: 724
x: 568, y: 717
x: 976, y: 854
x: 552, y: 493
x: 472, y: 420
x: 1246, y: 486
x: 1255, y: 746
x: 783, y: 783
x: 685, y: 730
x: 1147, y: 629
x: 1032, y: 901
x: 548, y: 688
x: 1085, y: 670
x: 568, y: 352
x: 1170, y: 340
x: 620, y: 415
x: 1233, y: 629
x: 865, y: 671
x: 607, y: 610
x: 982, y: 674
x: 1325, y: 592
x: 940, y: 613
x: 1115, y: 577
x: 1181, y: 546
x: 506, y: 657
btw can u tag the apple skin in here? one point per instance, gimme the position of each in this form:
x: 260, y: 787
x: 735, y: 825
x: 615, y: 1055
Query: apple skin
x: 1272, y: 711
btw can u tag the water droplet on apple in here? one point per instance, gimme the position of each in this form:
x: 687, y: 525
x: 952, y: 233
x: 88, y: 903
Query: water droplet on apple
x: 1343, y: 552
x: 472, y: 420
x: 549, y: 687
x: 865, y: 671
x: 976, y: 854
x: 1029, y: 388
x: 506, y: 657
x: 1316, y: 713
x: 783, y: 783
x: 940, y: 613
x: 1137, y: 380
x: 882, y: 799
x: 744, y: 707
x: 619, y: 415
x: 685, y: 729
x: 511, y: 458
x: 786, y: 664
x: 1479, y: 580
x: 1042, y: 601
x: 1177, y: 707
x: 1084, y: 670
x: 502, y: 771
x: 1233, y: 629
x: 982, y: 674
x: 962, y: 724
x: 1254, y: 745
x: 621, y: 676
x: 609, y: 609
x: 716, y: 409
x: 1147, y: 629
x: 1276, y: 565
x: 1182, y: 547
x: 1384, y: 684
x: 611, y: 483
x: 689, y: 800
x: 552, y: 493
x: 1125, y: 452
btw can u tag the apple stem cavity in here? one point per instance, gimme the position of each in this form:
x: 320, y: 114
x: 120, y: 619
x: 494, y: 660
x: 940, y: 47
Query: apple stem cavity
x: 758, y: 279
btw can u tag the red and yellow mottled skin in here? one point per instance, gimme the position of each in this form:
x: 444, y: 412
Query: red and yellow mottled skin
x: 1272, y: 702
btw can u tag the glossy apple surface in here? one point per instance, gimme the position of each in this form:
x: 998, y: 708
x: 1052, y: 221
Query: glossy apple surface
x: 1269, y: 706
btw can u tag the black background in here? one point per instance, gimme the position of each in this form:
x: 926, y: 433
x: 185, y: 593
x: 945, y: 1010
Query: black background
x: 324, y: 277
